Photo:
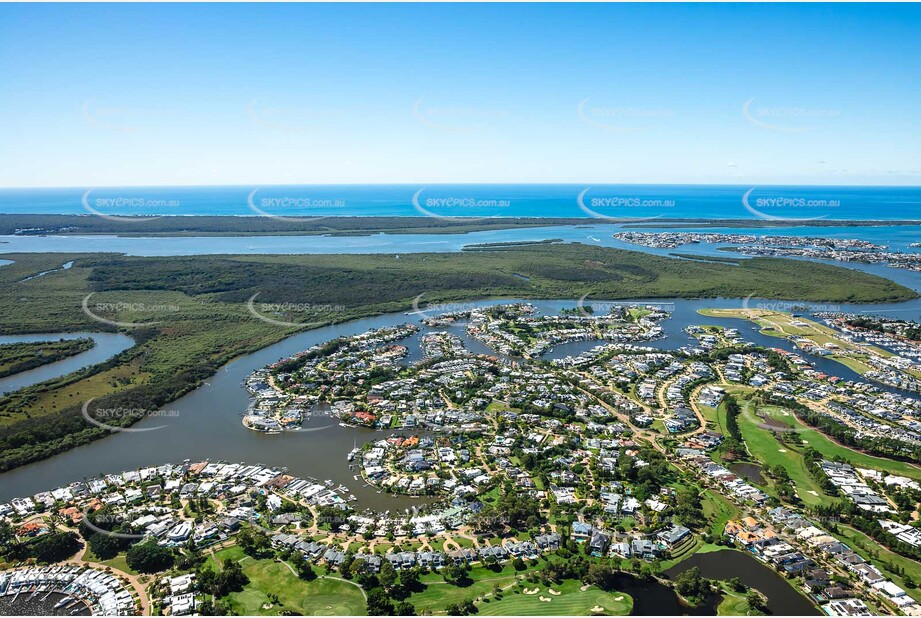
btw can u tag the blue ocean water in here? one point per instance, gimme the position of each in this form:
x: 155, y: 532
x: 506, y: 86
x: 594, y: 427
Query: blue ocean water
x: 509, y: 200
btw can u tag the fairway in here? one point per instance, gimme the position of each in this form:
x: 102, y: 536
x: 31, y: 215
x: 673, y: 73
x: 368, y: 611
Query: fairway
x: 320, y: 597
x: 718, y: 510
x: 438, y: 594
x: 830, y: 449
x: 823, y: 444
x: 572, y: 601
x: 766, y: 449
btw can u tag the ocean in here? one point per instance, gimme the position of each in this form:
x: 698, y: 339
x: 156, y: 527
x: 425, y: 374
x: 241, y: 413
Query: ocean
x: 508, y: 200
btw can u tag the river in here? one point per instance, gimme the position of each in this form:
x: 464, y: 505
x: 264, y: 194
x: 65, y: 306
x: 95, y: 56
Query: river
x: 106, y: 346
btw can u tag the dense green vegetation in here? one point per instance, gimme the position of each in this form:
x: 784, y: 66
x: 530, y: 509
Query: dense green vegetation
x: 45, y: 548
x: 149, y: 557
x: 235, y: 226
x: 191, y: 314
x: 546, y: 271
x: 227, y: 225
x: 17, y: 357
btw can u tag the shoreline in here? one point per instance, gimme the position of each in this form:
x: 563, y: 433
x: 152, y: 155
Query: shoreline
x: 133, y: 226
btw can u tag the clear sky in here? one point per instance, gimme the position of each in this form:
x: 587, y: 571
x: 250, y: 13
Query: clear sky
x: 105, y: 94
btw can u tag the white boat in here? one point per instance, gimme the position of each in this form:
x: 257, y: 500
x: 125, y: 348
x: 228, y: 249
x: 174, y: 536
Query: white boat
x: 62, y: 603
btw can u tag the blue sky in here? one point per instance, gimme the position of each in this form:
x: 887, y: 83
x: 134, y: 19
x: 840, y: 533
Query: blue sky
x: 94, y: 95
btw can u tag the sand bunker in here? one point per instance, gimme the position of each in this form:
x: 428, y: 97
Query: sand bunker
x: 544, y: 599
x: 597, y: 609
x: 620, y: 598
x: 782, y: 450
x: 555, y: 593
x: 529, y: 591
x: 585, y: 587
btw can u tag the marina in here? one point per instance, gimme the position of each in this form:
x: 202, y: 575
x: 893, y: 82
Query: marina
x: 64, y: 590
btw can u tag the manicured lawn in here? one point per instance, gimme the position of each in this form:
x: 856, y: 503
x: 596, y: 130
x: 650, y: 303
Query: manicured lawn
x: 733, y: 604
x: 765, y: 448
x: 812, y: 437
x: 320, y: 597
x: 118, y: 562
x: 687, y: 548
x: 831, y: 449
x: 438, y: 594
x: 718, y: 510
x: 711, y: 416
x: 776, y: 413
x: 572, y: 601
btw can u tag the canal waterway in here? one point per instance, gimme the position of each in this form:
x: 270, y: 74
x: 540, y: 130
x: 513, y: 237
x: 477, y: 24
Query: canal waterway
x: 782, y: 598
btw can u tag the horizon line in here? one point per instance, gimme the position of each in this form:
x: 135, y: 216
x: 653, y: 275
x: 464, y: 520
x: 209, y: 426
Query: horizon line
x: 442, y: 184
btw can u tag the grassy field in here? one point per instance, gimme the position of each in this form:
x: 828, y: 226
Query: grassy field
x: 118, y: 562
x: 831, y: 449
x: 712, y: 417
x: 573, y: 601
x: 781, y: 324
x: 320, y: 597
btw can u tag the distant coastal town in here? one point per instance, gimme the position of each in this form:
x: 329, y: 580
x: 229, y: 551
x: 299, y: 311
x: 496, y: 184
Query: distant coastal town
x: 838, y: 249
